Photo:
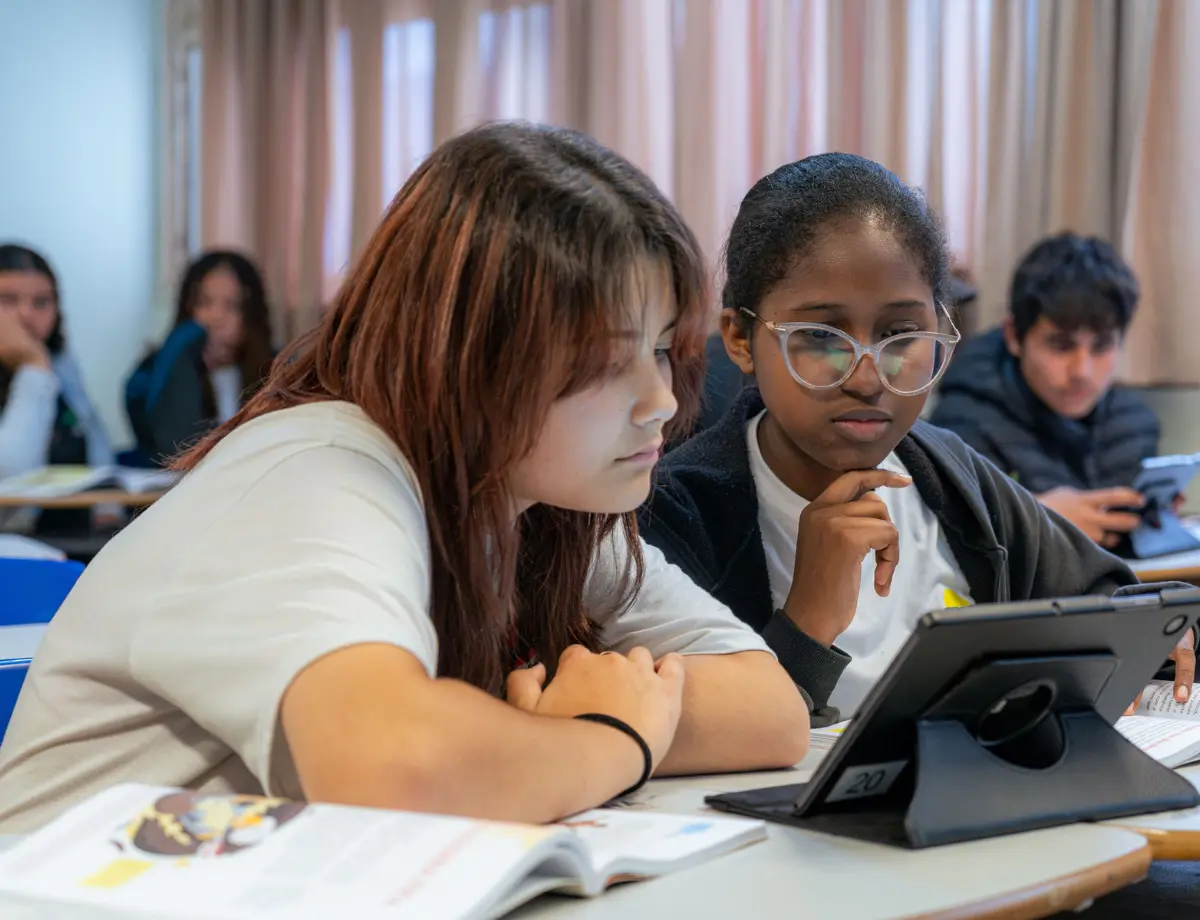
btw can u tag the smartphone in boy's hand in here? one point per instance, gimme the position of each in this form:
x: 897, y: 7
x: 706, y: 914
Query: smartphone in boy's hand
x: 836, y: 532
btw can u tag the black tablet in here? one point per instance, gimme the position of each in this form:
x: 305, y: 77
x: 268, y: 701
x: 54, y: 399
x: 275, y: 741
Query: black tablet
x: 1161, y: 532
x: 993, y: 719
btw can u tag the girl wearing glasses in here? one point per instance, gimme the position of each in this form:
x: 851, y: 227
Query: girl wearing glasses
x: 835, y: 278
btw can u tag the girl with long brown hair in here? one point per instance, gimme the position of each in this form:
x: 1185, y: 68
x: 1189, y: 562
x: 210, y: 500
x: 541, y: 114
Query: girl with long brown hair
x: 407, y: 573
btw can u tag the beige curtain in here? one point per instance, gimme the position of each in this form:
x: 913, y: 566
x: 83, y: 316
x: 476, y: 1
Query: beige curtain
x: 1052, y: 134
x: 265, y: 144
x: 364, y: 21
x: 762, y: 83
x: 181, y: 37
x: 1017, y: 117
x: 1162, y: 223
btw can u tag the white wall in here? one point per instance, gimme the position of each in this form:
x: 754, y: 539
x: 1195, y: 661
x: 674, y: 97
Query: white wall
x: 78, y: 147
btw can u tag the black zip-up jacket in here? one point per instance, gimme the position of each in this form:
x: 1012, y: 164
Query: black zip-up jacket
x: 703, y: 515
x: 985, y: 400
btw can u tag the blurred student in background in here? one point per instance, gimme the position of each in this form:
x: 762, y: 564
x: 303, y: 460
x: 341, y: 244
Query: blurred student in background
x: 45, y: 414
x: 217, y: 355
x: 1036, y: 396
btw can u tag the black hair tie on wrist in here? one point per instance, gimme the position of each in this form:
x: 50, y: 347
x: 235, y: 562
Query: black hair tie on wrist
x: 647, y: 757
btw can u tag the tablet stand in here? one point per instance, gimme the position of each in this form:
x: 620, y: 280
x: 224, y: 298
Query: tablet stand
x: 1014, y: 745
x: 964, y: 792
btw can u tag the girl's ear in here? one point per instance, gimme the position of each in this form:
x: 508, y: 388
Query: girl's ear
x: 736, y: 331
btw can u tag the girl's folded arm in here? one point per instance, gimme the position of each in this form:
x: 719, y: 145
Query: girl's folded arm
x: 366, y: 725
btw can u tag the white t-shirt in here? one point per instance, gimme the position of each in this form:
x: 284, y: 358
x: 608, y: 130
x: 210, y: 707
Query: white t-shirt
x: 301, y: 533
x: 927, y: 577
x: 227, y: 390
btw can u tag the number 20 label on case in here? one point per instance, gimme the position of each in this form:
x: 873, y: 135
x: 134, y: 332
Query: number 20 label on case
x: 865, y: 780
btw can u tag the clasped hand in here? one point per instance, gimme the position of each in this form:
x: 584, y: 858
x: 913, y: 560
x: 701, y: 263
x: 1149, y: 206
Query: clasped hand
x: 643, y: 693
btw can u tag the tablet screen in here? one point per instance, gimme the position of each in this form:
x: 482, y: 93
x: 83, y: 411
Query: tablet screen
x: 1162, y: 478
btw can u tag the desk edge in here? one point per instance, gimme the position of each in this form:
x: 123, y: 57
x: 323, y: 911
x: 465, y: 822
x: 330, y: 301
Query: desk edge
x: 1064, y: 893
x: 1181, y: 845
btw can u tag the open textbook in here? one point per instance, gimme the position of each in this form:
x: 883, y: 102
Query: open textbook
x: 1166, y: 730
x: 146, y: 851
x: 822, y: 739
x: 61, y: 480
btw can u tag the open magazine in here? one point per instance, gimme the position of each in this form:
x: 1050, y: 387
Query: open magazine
x: 146, y: 851
x: 61, y: 480
x: 1166, y: 730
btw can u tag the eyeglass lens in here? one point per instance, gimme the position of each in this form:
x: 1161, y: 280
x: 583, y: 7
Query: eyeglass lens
x: 907, y: 363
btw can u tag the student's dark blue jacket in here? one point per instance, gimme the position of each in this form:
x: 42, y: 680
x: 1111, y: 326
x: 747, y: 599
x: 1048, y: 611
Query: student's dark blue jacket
x: 985, y: 400
x: 703, y: 515
x: 168, y: 397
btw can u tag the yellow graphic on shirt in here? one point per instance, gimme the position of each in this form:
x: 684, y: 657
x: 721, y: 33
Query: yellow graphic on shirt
x: 951, y: 598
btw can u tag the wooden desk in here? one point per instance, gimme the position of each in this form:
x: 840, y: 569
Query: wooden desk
x: 1183, y: 566
x: 1172, y: 835
x: 1175, y: 567
x: 798, y: 873
x: 85, y: 499
x: 801, y: 874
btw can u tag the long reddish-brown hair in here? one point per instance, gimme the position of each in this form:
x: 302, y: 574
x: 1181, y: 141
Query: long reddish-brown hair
x: 499, y: 281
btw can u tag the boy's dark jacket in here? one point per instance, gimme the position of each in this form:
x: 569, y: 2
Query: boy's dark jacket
x: 703, y: 515
x: 985, y: 400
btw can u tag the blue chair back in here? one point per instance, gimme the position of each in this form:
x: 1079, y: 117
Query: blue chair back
x: 32, y: 590
x: 12, y: 676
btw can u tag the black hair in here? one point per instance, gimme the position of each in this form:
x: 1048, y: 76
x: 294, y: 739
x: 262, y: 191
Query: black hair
x: 1076, y: 282
x: 781, y: 217
x: 254, y: 295
x: 17, y: 258
x: 255, y: 353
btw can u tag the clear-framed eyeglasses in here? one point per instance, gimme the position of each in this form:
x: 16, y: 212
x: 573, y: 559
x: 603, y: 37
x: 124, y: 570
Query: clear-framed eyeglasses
x: 821, y: 357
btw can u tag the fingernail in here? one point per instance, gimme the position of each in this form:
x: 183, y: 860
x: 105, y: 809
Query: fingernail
x: 1182, y: 694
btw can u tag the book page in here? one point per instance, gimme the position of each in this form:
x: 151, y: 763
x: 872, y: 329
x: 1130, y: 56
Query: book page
x: 662, y: 797
x: 54, y: 481
x: 1169, y: 741
x: 638, y: 843
x: 136, y: 480
x: 62, y: 480
x: 188, y: 854
x: 1158, y: 699
x: 822, y: 739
